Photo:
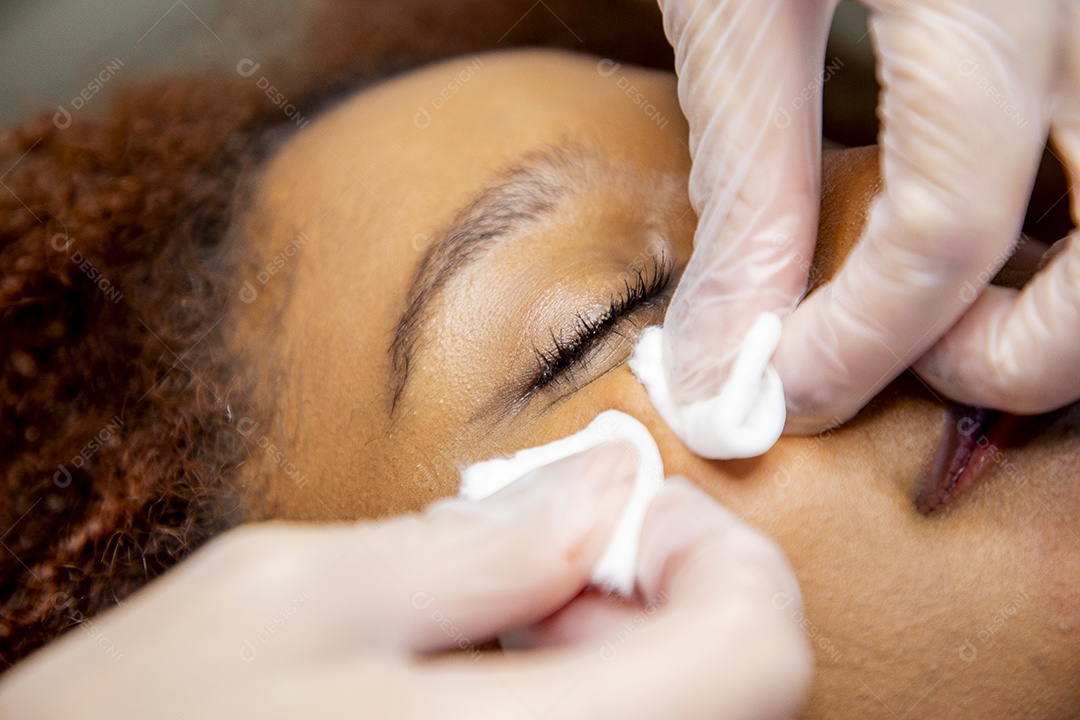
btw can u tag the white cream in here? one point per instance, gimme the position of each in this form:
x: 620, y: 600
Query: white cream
x: 748, y: 415
x: 617, y: 566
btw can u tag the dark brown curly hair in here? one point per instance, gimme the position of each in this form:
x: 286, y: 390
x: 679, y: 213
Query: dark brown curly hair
x: 116, y: 449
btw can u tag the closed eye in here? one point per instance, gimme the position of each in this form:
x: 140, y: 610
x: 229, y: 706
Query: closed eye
x: 564, y: 359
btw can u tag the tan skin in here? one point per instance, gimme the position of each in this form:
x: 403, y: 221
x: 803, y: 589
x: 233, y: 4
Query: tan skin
x: 896, y: 600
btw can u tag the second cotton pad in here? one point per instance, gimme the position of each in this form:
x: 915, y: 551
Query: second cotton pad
x: 745, y: 419
x: 617, y: 565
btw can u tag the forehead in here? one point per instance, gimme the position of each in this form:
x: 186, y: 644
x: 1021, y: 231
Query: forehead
x: 410, y: 151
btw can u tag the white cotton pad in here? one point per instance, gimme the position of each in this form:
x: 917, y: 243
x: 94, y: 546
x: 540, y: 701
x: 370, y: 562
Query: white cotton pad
x: 617, y: 566
x: 748, y: 415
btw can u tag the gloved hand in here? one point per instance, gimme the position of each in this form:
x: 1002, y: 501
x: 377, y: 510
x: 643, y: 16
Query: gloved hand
x: 301, y: 621
x: 970, y: 90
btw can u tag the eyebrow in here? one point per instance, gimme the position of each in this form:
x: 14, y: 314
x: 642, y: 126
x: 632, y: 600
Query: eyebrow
x: 522, y: 196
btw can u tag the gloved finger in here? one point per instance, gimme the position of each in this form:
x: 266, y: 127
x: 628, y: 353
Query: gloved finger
x: 1015, y: 350
x: 749, y: 84
x: 722, y: 643
x: 591, y: 616
x: 1019, y: 351
x: 465, y: 572
x: 957, y: 166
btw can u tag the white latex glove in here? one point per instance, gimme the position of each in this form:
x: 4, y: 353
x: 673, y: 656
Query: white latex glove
x: 970, y: 90
x: 286, y: 621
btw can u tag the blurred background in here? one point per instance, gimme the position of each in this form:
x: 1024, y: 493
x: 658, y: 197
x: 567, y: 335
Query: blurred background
x: 52, y: 50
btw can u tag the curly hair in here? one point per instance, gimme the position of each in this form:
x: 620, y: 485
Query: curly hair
x: 117, y: 454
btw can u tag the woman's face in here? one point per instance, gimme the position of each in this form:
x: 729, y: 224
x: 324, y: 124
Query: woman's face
x: 468, y: 254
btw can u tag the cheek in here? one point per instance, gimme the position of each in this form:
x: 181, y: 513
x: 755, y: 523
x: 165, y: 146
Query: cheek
x: 892, y: 601
x: 818, y: 498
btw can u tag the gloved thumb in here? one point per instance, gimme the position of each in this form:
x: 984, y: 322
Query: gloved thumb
x: 482, y: 568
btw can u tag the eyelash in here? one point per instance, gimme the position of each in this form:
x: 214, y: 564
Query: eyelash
x: 564, y: 358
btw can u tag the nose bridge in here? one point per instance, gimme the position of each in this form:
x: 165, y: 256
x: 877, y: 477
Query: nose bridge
x: 850, y: 180
x: 748, y: 487
x: 678, y: 459
x: 712, y: 475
